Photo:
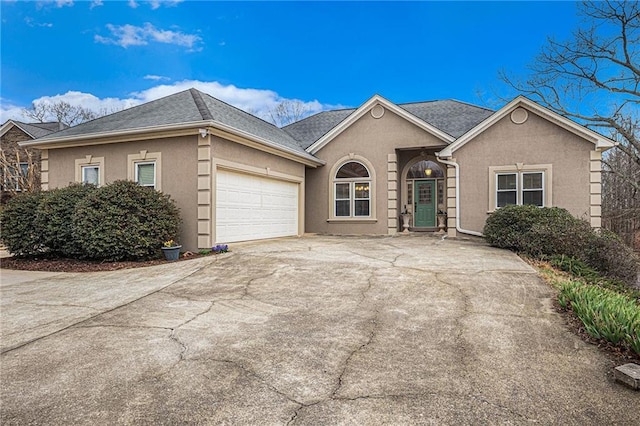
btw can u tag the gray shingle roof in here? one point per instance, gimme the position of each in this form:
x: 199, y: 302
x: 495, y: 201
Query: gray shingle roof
x: 38, y: 130
x: 452, y: 117
x: 183, y: 107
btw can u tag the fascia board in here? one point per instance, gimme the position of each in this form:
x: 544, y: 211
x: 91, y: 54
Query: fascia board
x: 358, y: 113
x: 190, y: 127
x: 52, y: 142
x: 598, y: 140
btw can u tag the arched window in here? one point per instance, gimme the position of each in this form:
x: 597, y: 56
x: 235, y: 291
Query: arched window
x: 352, y: 190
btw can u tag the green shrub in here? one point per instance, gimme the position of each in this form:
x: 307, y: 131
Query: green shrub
x: 124, y: 221
x: 612, y: 258
x: 605, y: 314
x: 546, y: 232
x: 54, y: 219
x: 18, y: 231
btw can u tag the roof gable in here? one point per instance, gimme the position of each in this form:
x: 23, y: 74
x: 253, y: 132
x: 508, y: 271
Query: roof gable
x: 33, y: 130
x: 600, y: 142
x: 363, y: 109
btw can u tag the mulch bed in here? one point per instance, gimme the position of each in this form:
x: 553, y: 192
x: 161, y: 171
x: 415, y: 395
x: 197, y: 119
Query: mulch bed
x: 74, y: 265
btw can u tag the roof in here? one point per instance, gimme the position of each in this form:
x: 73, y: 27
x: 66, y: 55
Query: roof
x: 450, y: 116
x: 189, y: 107
x: 601, y: 142
x: 34, y: 130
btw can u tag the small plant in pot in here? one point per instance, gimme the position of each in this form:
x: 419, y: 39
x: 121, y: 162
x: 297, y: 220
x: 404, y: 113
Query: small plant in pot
x: 171, y: 250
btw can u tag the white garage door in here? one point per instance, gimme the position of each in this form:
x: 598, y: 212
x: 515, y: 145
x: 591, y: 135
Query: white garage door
x: 252, y: 207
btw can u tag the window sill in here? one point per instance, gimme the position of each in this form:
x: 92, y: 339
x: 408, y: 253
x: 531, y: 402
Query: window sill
x: 353, y: 220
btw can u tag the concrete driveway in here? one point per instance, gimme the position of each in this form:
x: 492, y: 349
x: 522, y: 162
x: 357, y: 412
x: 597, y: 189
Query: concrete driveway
x: 316, y: 330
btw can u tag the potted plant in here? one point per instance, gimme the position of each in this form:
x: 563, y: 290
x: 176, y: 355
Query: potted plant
x: 171, y: 250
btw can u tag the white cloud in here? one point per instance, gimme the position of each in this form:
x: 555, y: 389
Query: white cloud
x: 96, y: 3
x: 155, y: 4
x: 256, y: 101
x: 133, y: 4
x: 131, y: 35
x: 32, y: 23
x: 63, y: 3
x: 155, y: 77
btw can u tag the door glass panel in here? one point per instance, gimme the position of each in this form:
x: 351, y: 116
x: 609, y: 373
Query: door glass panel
x: 424, y: 194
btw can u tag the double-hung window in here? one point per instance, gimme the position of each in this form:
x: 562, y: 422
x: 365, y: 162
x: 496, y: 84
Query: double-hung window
x: 521, y: 188
x: 352, y: 189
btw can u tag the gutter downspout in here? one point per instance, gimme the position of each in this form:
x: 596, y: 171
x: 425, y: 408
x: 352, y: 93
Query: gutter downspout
x: 457, y: 167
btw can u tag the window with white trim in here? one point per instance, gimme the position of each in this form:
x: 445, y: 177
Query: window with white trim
x: 91, y: 174
x: 90, y: 170
x: 145, y: 173
x: 522, y: 188
x: 352, y: 191
x: 145, y: 168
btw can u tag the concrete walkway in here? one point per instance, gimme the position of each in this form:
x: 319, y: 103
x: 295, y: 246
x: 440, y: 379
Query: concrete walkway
x: 316, y: 330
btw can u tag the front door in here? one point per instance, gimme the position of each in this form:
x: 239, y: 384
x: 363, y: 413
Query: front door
x: 425, y: 205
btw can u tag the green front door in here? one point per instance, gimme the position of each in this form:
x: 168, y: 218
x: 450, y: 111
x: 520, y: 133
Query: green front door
x: 425, y: 203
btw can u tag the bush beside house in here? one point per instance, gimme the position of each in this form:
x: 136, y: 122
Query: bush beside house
x: 119, y: 221
x: 546, y: 232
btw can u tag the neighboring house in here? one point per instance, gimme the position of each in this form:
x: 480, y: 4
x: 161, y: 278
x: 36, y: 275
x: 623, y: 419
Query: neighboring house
x: 20, y: 167
x: 236, y: 177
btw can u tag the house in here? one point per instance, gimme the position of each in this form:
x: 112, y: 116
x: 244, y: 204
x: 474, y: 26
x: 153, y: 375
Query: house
x: 236, y: 177
x: 20, y: 167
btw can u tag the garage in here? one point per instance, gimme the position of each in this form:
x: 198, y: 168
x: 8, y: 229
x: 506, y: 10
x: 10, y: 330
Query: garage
x: 250, y: 207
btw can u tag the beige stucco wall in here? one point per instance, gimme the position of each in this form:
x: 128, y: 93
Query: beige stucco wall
x: 374, y: 140
x: 536, y: 141
x: 232, y: 151
x: 178, y: 170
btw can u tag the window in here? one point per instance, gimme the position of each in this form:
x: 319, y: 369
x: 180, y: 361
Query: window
x: 22, y: 176
x: 90, y: 170
x: 352, y: 189
x: 91, y: 175
x: 146, y: 173
x: 522, y: 187
x: 145, y: 168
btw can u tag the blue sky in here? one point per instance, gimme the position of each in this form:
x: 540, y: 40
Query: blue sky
x: 113, y: 54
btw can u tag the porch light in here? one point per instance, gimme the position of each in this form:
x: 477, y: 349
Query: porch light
x: 428, y: 172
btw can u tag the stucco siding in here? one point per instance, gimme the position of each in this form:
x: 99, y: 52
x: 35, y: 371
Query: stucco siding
x: 227, y: 150
x: 374, y: 140
x: 178, y: 168
x: 534, y: 142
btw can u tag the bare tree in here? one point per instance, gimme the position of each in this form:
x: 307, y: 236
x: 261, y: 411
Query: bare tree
x: 595, y: 77
x: 19, y: 174
x: 288, y: 111
x: 61, y: 111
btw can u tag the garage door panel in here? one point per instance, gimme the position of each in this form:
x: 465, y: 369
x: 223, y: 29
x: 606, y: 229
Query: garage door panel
x: 252, y: 207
